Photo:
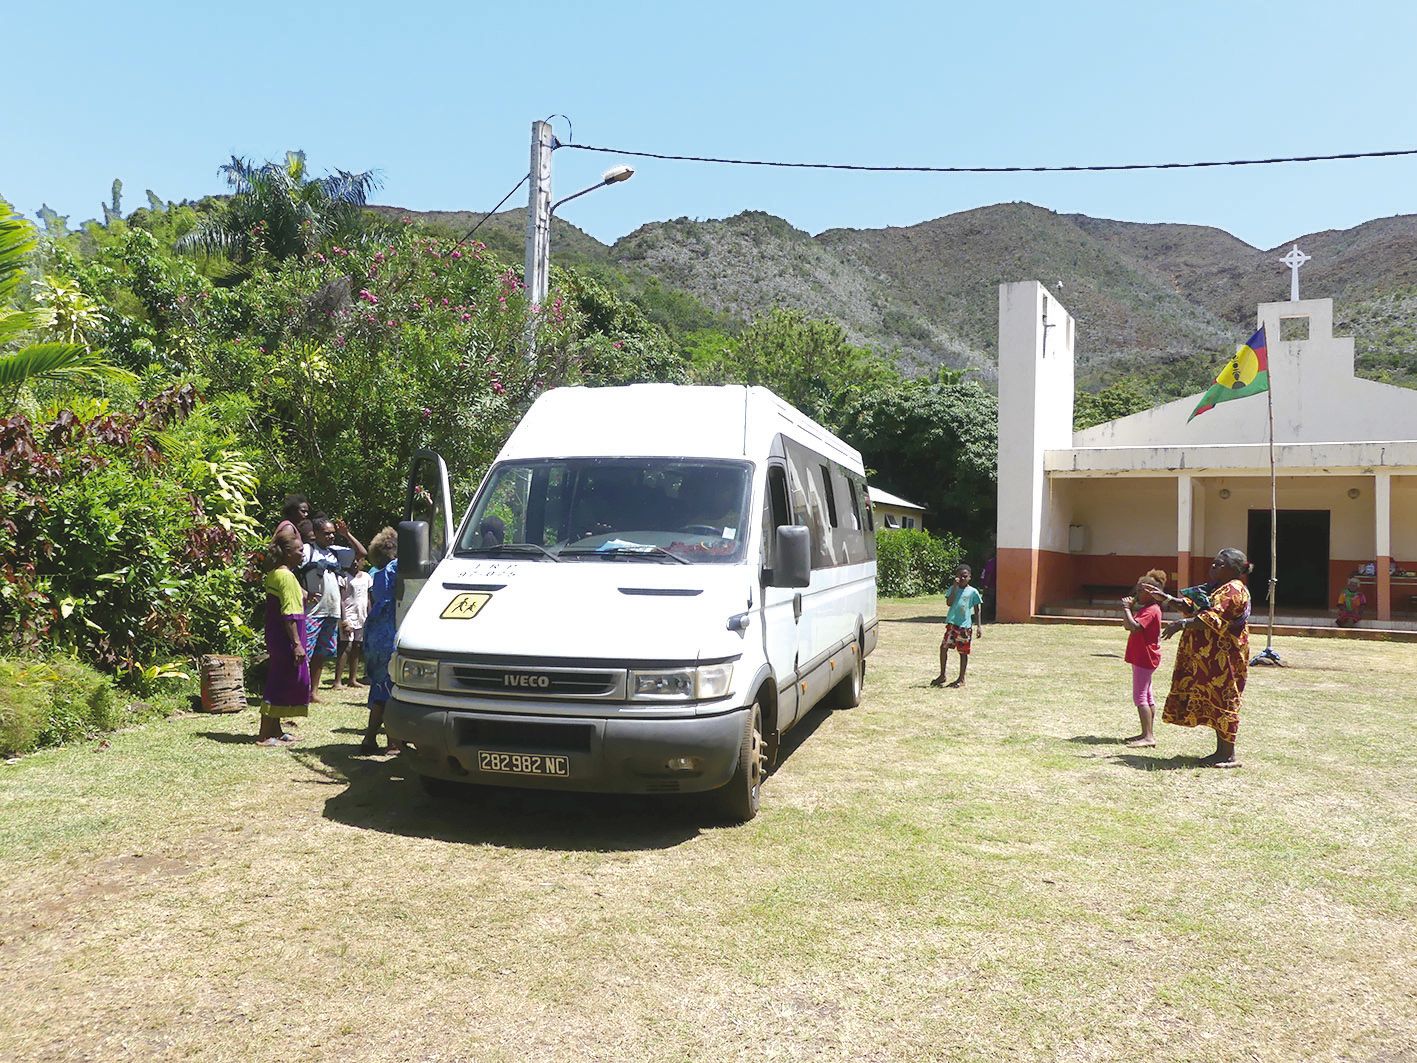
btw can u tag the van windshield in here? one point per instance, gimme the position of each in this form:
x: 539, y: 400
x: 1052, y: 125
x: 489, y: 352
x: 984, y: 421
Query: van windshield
x: 666, y: 510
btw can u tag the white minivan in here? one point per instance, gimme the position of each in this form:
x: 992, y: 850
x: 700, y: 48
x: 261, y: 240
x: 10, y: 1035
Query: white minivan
x: 653, y: 584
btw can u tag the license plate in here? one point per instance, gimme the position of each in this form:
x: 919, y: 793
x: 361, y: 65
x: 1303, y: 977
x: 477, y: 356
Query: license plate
x: 554, y: 765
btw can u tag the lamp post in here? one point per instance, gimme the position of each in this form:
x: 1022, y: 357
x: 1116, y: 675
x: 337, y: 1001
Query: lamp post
x: 539, y: 209
x: 540, y: 276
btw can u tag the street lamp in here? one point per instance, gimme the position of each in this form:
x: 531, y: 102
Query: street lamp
x: 538, y: 275
x: 612, y: 176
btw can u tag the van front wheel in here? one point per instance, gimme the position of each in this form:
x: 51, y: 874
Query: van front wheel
x: 847, y: 693
x: 738, y: 801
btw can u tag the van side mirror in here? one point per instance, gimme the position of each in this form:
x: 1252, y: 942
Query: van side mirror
x: 792, y: 549
x: 414, y: 562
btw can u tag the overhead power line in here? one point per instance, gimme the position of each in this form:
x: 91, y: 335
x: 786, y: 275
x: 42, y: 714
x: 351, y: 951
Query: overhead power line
x: 861, y: 167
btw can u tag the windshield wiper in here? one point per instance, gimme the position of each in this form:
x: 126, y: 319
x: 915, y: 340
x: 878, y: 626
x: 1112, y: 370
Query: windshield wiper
x: 501, y: 548
x: 639, y: 550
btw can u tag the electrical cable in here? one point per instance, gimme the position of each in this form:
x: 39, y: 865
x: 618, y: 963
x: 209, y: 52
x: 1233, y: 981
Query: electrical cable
x: 491, y: 212
x: 994, y: 169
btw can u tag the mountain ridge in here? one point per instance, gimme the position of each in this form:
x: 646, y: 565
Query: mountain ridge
x: 1155, y: 299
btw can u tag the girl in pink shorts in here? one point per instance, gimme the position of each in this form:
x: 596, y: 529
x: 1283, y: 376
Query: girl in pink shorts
x: 1144, y: 647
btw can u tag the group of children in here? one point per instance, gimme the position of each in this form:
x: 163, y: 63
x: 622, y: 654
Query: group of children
x: 323, y: 603
x: 1141, y: 613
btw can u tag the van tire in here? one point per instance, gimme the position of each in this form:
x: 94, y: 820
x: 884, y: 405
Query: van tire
x: 847, y: 693
x: 738, y: 800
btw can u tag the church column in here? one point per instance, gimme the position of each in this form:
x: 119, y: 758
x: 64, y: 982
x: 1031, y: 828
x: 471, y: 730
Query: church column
x: 1382, y: 539
x: 1184, y: 504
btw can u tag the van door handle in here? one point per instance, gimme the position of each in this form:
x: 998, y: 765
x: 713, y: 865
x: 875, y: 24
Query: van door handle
x: 796, y: 607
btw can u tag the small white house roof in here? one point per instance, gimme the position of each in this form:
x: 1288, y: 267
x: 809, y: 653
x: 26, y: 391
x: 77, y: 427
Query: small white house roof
x: 880, y: 497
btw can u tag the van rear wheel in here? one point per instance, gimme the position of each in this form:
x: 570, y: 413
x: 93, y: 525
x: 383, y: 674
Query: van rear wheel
x: 738, y: 801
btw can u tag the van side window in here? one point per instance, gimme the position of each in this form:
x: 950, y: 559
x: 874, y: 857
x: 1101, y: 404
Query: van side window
x: 777, y: 512
x: 797, y: 493
x: 855, y: 511
x: 830, y: 492
x: 817, y: 519
x: 777, y: 496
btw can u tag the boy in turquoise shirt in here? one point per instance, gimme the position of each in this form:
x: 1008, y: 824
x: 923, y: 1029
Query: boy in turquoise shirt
x: 962, y: 624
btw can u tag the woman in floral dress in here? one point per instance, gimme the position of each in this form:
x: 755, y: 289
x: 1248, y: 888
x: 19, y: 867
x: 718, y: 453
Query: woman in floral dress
x: 1213, y: 659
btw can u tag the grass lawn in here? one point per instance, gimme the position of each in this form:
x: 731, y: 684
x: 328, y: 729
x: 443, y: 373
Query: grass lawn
x: 972, y: 874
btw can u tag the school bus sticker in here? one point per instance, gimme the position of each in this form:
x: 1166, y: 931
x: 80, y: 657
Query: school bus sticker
x: 465, y: 606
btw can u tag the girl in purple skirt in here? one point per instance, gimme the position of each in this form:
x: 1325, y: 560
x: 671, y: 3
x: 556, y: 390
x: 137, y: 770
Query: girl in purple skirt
x: 287, y: 691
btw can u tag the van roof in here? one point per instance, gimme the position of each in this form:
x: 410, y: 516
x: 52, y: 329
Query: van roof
x: 642, y: 420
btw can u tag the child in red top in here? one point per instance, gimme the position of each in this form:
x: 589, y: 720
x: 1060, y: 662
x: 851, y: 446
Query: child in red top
x: 1144, y: 647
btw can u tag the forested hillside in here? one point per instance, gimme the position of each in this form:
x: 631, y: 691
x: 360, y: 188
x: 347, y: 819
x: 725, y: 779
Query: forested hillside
x: 1154, y: 302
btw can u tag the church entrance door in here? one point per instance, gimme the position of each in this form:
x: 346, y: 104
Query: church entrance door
x: 1303, y: 558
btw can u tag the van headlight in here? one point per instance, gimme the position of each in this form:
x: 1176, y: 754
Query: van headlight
x: 414, y: 673
x: 681, y: 684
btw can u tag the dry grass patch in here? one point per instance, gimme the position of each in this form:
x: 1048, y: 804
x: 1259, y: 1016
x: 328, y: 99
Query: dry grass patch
x: 966, y: 874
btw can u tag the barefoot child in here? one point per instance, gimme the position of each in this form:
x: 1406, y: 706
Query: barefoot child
x: 1144, y: 648
x: 354, y: 607
x: 963, y: 623
x: 287, y: 690
x: 380, y: 629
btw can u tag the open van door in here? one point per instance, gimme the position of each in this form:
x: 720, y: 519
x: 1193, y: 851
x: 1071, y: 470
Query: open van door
x: 425, y: 533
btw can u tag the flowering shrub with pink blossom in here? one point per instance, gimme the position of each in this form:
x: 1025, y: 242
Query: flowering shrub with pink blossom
x: 335, y: 366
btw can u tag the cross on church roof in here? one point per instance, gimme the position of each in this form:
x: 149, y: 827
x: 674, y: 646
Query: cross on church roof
x: 1294, y: 259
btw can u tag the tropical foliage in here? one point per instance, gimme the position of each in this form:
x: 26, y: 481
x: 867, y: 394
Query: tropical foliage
x: 22, y: 361
x: 276, y: 209
x: 170, y: 374
x: 910, y: 562
x: 936, y: 443
x: 46, y: 702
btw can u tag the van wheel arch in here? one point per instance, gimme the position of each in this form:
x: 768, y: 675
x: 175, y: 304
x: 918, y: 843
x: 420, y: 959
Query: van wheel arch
x: 772, y: 736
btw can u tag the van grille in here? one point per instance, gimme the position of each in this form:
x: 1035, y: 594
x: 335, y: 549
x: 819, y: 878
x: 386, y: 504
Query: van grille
x: 533, y: 736
x: 521, y: 682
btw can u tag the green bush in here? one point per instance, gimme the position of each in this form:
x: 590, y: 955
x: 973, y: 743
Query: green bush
x: 126, y: 534
x: 911, y: 563
x: 46, y: 703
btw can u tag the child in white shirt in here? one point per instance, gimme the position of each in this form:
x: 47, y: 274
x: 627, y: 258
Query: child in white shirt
x: 354, y: 610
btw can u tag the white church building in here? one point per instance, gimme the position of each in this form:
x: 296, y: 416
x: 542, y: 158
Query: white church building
x: 1083, y: 514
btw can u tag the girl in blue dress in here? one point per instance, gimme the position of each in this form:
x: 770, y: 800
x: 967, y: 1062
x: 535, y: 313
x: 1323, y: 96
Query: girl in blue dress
x: 379, y: 631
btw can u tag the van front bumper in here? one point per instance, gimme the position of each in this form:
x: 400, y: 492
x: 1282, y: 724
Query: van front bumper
x: 601, y: 754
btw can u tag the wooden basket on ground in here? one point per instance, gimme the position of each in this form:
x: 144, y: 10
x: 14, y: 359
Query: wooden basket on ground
x: 223, y: 684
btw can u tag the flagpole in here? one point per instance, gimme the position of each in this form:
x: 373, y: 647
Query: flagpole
x: 1268, y: 656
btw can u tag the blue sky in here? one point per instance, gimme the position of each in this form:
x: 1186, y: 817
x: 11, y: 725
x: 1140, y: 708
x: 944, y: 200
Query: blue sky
x: 439, y: 97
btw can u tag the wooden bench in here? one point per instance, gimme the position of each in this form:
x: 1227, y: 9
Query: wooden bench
x: 1112, y: 591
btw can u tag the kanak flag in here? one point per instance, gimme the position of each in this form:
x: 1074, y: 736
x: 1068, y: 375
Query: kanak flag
x: 1247, y: 373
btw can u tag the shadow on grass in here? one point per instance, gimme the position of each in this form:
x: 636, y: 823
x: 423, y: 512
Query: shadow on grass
x: 1097, y: 740
x: 912, y: 619
x: 1142, y: 762
x: 1117, y: 656
x: 793, y: 740
x: 238, y: 738
x: 382, y: 794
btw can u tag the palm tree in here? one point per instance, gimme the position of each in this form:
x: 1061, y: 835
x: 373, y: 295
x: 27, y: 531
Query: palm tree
x: 27, y: 364
x: 276, y: 209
